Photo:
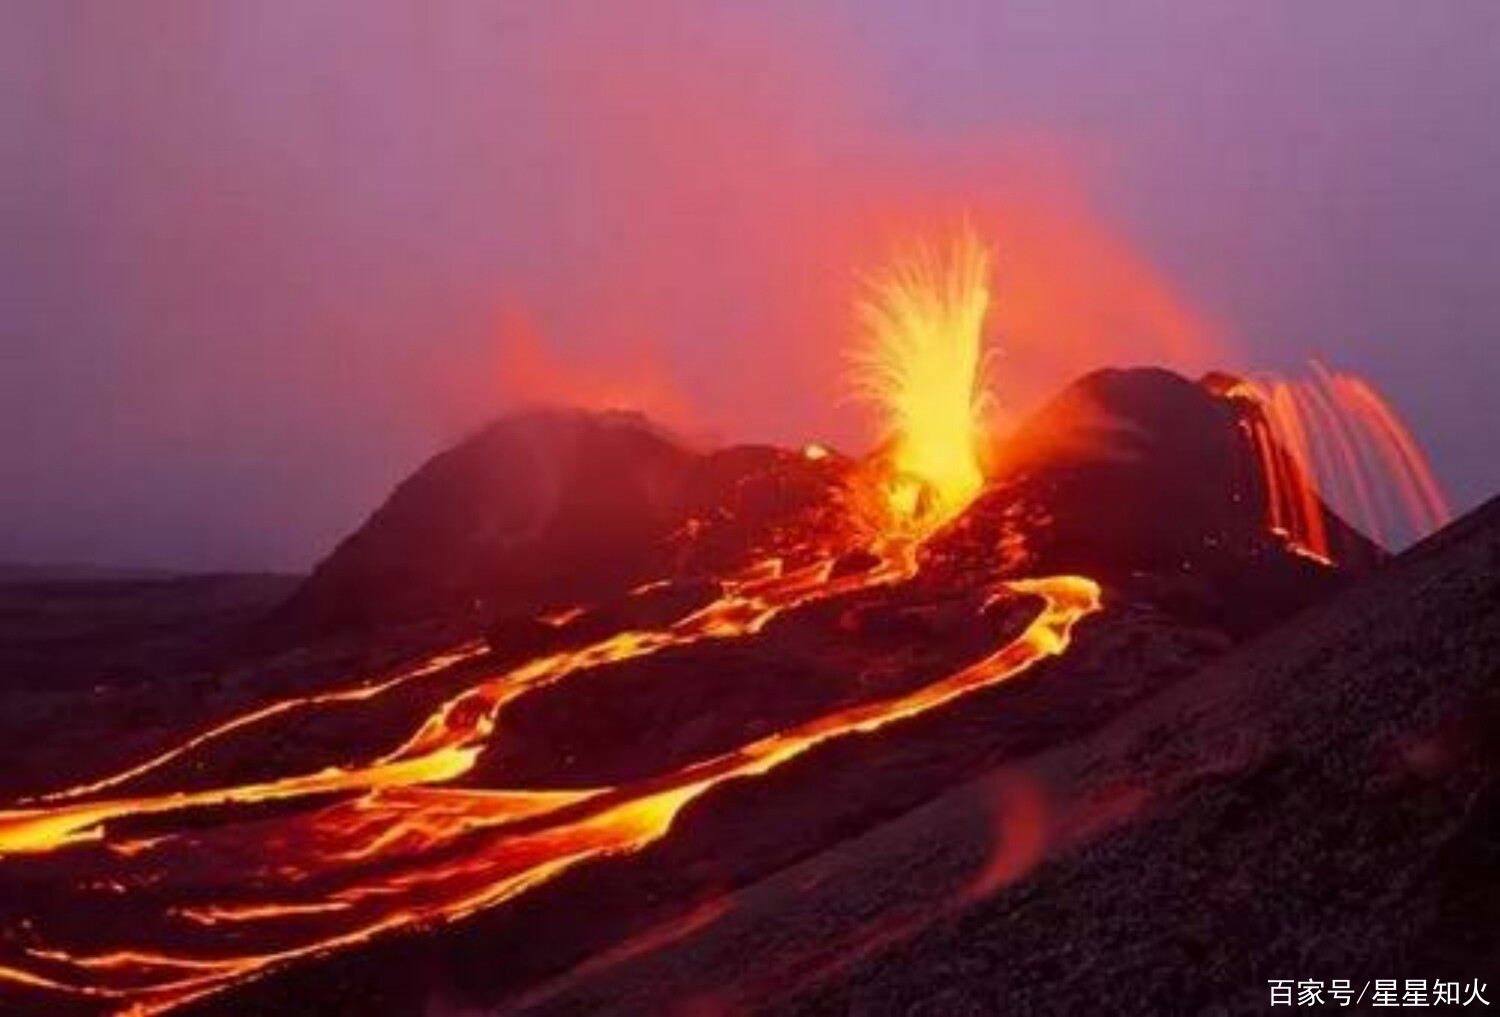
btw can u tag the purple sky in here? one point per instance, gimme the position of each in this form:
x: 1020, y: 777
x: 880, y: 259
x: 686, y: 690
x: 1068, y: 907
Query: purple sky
x: 258, y: 260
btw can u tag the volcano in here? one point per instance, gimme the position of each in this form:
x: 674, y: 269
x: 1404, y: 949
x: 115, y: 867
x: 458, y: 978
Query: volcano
x: 1126, y: 472
x: 626, y: 702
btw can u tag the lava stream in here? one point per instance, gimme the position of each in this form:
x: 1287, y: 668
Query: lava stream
x: 396, y: 852
x: 448, y: 743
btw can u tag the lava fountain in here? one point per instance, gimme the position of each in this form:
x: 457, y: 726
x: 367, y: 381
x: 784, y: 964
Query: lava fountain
x: 922, y: 363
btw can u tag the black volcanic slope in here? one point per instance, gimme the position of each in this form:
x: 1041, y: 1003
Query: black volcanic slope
x: 1142, y: 469
x: 544, y: 510
x: 1322, y: 804
x: 514, y: 509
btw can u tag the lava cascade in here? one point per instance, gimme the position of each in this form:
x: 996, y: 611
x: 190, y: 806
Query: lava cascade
x: 1332, y: 435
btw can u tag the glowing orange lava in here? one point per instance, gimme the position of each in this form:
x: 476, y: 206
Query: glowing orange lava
x: 1333, y: 438
x: 395, y: 850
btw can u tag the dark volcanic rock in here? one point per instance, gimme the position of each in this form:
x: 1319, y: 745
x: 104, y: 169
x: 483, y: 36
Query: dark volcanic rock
x: 1143, y: 470
x: 1145, y: 479
x: 537, y: 509
x: 548, y: 510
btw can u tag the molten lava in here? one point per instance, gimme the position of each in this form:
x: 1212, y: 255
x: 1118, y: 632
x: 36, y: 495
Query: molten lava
x: 395, y: 849
x: 388, y: 842
x: 923, y: 363
x: 1332, y: 436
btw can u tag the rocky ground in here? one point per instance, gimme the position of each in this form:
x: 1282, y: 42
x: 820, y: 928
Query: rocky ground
x: 91, y: 659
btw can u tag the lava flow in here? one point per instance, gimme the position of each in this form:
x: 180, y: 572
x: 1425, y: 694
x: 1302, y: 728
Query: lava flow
x: 222, y: 888
x: 1333, y: 436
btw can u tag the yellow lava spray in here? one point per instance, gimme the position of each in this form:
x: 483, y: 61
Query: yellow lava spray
x: 922, y: 361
